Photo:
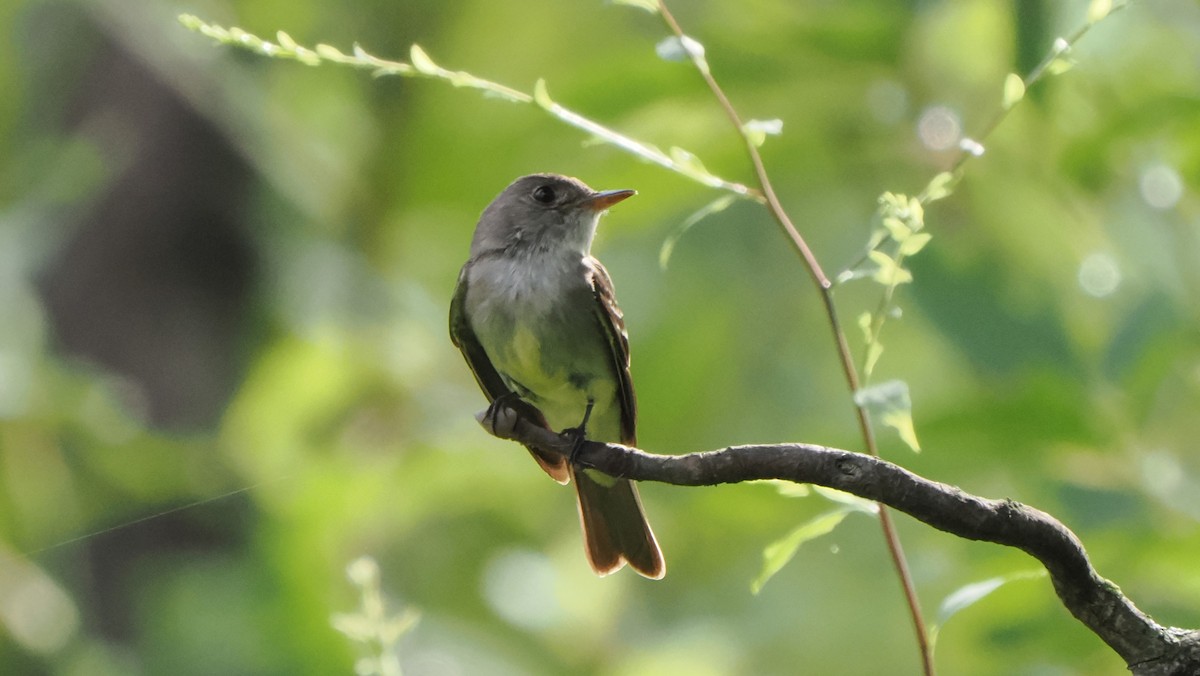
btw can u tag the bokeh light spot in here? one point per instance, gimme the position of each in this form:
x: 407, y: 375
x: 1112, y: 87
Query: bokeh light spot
x: 1161, y: 186
x: 1099, y: 275
x: 939, y: 128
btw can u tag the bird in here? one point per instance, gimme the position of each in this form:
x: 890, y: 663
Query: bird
x: 535, y: 316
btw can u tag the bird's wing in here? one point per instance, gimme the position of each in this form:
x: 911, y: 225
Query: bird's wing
x: 613, y: 322
x: 493, y: 386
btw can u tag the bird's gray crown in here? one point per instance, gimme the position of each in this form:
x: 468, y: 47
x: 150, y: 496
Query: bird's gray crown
x: 540, y: 212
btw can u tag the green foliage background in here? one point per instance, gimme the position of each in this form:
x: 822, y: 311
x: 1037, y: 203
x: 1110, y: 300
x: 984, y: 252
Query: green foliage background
x: 224, y: 281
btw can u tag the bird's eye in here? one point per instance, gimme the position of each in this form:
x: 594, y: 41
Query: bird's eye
x: 544, y: 194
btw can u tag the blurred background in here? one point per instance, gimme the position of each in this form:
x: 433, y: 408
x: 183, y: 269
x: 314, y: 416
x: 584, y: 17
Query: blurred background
x: 225, y: 372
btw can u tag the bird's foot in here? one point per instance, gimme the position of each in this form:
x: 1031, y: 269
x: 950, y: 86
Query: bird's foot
x: 501, y: 416
x: 578, y: 434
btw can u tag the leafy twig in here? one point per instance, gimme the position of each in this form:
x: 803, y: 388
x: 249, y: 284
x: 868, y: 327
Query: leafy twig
x: 371, y: 625
x: 888, y: 266
x: 421, y: 65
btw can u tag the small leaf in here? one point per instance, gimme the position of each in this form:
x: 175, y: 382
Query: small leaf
x: 648, y: 5
x: 421, y: 61
x: 686, y: 161
x: 788, y: 489
x: 757, y: 130
x: 888, y: 272
x: 891, y: 403
x: 330, y: 52
x: 1098, y: 10
x: 916, y: 214
x: 941, y: 186
x: 668, y: 246
x: 968, y: 595
x: 191, y: 21
x: 285, y: 41
x: 307, y: 56
x: 777, y: 554
x: 896, y: 228
x: 852, y: 502
x: 541, y: 96
x: 881, y: 260
x: 392, y: 629
x: 674, y: 48
x: 864, y: 323
x: 354, y: 626
x: 914, y: 243
x: 874, y: 352
x: 1060, y: 65
x: 902, y: 422
x: 1014, y: 90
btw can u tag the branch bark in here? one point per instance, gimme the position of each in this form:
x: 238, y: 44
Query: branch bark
x: 1148, y: 648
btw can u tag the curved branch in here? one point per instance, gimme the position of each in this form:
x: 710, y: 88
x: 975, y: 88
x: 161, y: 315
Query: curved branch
x: 1147, y: 647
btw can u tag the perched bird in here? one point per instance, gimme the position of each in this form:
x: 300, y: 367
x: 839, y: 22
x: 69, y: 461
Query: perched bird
x: 535, y: 316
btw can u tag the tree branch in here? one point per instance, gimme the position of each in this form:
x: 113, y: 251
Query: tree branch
x: 1148, y: 648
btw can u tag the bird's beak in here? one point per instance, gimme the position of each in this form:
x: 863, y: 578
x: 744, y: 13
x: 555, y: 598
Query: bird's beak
x: 603, y: 200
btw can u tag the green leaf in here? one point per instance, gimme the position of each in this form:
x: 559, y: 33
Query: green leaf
x: 307, y: 56
x: 1014, y: 90
x: 541, y: 95
x: 916, y: 214
x: 864, y: 323
x: 902, y: 422
x: 648, y: 5
x: 777, y: 554
x: 888, y: 272
x: 874, y: 352
x: 914, y: 243
x: 896, y: 228
x: 421, y: 61
x: 686, y: 161
x: 939, y: 187
x: 891, y: 403
x: 668, y: 246
x: 757, y: 130
x: 851, y: 502
x: 1099, y: 9
x: 788, y: 489
x: 191, y: 22
x: 330, y: 52
x: 285, y: 41
x: 968, y: 595
x: 353, y: 626
x: 1059, y: 66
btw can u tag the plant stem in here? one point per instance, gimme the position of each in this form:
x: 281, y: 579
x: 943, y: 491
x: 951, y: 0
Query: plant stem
x: 825, y: 289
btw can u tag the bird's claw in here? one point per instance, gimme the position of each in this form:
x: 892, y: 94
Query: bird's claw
x: 579, y: 434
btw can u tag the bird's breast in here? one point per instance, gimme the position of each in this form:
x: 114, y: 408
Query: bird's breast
x: 537, y: 324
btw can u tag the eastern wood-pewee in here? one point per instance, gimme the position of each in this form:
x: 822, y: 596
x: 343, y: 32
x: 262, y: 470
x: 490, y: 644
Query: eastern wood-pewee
x: 535, y: 316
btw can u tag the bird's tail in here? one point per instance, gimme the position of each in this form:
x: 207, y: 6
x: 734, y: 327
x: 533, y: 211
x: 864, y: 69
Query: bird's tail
x: 615, y: 530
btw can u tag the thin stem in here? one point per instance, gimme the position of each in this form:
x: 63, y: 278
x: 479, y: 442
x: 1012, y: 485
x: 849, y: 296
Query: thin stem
x: 825, y: 288
x: 1060, y: 49
x: 1062, y: 46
